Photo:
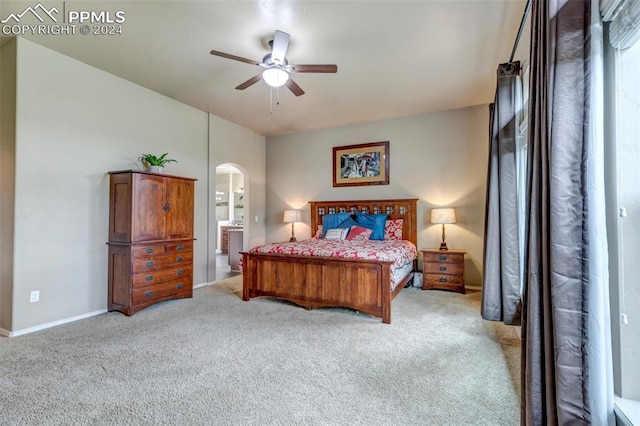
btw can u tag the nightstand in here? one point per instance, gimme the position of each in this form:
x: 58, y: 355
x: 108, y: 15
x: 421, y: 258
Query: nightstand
x: 443, y: 269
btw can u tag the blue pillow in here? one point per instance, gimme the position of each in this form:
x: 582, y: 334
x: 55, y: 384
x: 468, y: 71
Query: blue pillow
x: 375, y: 222
x: 348, y: 223
x: 331, y: 221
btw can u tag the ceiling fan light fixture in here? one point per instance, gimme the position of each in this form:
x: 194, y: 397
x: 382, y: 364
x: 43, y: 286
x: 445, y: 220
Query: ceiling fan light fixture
x: 275, y: 77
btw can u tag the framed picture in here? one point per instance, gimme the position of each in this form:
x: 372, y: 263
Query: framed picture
x: 364, y: 164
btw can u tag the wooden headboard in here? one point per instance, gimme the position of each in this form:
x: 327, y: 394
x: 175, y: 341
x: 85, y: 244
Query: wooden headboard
x: 405, y: 209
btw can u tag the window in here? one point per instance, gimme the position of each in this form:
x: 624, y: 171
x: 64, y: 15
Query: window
x: 623, y: 193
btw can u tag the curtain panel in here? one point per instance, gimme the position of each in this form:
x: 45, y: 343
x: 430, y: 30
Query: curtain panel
x: 501, y: 286
x: 565, y: 346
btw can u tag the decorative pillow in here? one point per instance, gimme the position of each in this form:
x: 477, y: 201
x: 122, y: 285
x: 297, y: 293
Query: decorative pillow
x: 336, y: 234
x: 331, y: 221
x: 358, y: 233
x: 349, y: 223
x: 375, y: 222
x: 393, y: 229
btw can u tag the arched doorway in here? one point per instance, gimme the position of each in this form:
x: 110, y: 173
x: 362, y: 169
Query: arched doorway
x: 229, y: 219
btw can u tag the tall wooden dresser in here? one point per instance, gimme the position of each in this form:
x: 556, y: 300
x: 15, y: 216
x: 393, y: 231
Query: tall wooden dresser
x: 150, y: 239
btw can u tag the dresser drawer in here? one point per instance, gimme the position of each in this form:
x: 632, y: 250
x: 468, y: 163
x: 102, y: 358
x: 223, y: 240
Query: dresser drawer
x: 443, y: 268
x: 154, y: 263
x: 164, y: 275
x: 171, y: 289
x: 180, y: 247
x: 444, y: 257
x: 443, y: 279
x: 150, y: 250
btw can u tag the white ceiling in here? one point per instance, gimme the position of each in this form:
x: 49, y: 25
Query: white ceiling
x: 395, y: 58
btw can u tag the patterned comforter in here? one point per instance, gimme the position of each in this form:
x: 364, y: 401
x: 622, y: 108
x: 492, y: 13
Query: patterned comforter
x: 400, y: 252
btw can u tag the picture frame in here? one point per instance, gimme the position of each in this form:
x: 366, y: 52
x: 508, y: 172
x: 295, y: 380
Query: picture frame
x: 362, y: 164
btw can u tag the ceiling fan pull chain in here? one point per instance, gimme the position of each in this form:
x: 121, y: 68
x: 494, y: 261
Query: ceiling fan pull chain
x: 270, y: 100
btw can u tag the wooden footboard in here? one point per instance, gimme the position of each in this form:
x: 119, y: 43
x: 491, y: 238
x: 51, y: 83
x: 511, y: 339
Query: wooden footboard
x: 311, y: 282
x: 364, y: 285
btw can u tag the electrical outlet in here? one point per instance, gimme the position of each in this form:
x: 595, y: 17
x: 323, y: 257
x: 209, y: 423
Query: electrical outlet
x: 35, y: 296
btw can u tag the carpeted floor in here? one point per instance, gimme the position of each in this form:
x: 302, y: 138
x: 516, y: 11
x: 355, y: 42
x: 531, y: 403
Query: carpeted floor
x: 217, y: 360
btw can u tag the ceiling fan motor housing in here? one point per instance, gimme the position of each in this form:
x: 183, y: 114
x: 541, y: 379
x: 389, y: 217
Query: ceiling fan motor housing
x: 268, y: 61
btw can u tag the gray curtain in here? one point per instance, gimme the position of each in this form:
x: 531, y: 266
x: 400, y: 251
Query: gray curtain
x: 561, y: 352
x: 501, y: 295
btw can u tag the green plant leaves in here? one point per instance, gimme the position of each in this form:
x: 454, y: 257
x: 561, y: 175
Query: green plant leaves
x: 152, y: 160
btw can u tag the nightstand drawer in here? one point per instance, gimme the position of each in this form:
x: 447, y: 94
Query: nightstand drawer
x: 443, y: 268
x: 444, y: 256
x: 443, y: 279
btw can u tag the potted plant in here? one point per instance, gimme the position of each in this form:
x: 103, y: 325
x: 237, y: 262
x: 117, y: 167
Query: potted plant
x: 154, y: 163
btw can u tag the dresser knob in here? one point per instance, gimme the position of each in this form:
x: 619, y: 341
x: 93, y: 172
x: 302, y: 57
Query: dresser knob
x: 443, y: 257
x: 148, y: 277
x: 179, y: 272
x: 442, y: 280
x: 149, y: 250
x: 148, y: 293
x: 180, y: 247
x: 179, y: 285
x: 150, y: 263
x: 179, y: 259
x: 443, y: 268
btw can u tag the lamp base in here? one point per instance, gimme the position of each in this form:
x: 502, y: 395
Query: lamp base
x: 443, y: 246
x: 293, y: 240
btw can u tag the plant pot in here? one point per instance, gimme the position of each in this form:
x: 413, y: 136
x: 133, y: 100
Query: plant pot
x: 155, y: 169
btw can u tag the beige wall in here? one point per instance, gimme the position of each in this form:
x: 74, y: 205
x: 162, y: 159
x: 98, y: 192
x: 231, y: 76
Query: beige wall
x: 232, y: 144
x: 74, y: 123
x: 7, y: 154
x: 439, y: 158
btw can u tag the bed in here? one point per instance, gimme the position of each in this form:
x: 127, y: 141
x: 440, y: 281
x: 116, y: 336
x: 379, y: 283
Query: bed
x: 365, y: 285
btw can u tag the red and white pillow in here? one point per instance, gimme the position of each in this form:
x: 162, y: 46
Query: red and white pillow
x: 393, y: 229
x: 358, y: 233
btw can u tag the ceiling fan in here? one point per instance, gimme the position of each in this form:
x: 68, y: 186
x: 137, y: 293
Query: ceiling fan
x: 277, y: 67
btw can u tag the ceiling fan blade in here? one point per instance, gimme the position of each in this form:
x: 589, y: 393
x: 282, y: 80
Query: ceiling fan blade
x: 328, y: 68
x: 234, y: 57
x: 253, y: 80
x: 293, y: 86
x: 279, y: 47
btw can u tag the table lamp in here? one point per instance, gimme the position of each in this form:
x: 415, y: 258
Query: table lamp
x: 442, y: 216
x: 292, y: 216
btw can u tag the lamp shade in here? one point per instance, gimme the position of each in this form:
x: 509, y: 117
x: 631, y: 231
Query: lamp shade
x: 291, y: 216
x: 443, y: 216
x: 275, y: 77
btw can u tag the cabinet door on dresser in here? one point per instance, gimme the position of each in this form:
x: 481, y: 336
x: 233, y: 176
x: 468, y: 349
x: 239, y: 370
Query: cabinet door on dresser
x: 179, y: 204
x: 149, y: 209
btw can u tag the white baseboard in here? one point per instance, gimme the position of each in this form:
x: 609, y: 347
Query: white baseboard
x: 7, y: 333
x: 52, y: 324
